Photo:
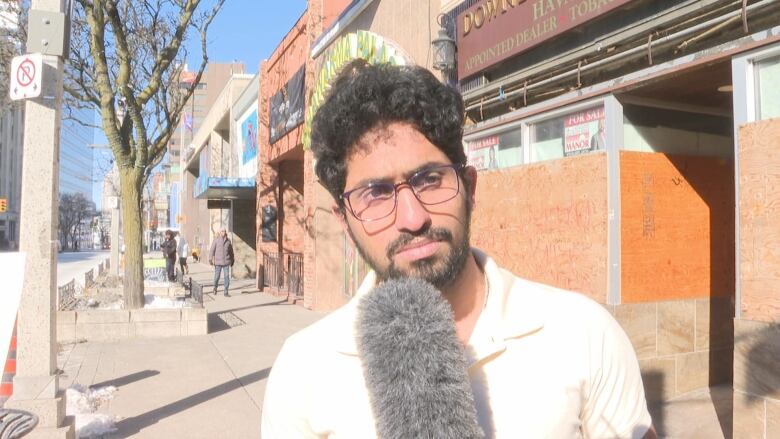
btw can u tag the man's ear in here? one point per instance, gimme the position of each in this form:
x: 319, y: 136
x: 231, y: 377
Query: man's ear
x: 470, y: 176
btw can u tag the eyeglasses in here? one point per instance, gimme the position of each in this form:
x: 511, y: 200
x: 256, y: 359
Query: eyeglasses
x: 430, y: 186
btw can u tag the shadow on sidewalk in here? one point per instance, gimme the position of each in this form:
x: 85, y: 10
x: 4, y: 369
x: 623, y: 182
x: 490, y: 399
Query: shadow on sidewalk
x: 226, y: 319
x: 127, y: 379
x: 130, y: 426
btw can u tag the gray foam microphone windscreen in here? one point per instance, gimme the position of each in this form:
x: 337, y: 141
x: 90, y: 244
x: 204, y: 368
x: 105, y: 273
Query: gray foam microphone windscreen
x: 414, y: 365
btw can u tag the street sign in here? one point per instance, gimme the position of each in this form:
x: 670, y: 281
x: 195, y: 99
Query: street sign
x: 26, y: 72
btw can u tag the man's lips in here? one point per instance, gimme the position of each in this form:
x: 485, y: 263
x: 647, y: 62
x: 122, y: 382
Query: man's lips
x: 419, y: 250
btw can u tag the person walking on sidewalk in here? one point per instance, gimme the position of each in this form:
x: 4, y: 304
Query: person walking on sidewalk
x: 183, y: 249
x: 221, y: 257
x: 168, y: 248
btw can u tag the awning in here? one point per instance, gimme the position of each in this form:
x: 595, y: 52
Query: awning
x: 224, y: 188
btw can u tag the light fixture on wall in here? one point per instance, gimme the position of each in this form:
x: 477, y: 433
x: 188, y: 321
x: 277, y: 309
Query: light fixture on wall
x: 443, y: 47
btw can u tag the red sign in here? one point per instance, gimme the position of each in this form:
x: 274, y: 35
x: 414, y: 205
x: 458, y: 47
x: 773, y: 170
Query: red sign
x: 25, y: 73
x: 494, y: 30
x: 483, y: 143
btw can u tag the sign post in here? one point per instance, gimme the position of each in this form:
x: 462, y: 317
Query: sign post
x: 38, y: 78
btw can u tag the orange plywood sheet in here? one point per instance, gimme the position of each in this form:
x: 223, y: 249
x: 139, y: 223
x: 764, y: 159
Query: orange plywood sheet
x: 677, y: 227
x: 759, y: 223
x: 547, y: 222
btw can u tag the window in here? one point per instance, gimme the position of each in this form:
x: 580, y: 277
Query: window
x: 497, y: 151
x: 768, y: 88
x: 572, y: 134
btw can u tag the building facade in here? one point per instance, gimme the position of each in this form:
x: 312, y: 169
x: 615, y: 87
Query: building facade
x: 607, y: 139
x: 280, y: 175
x: 11, y: 142
x: 218, y: 177
x: 381, y: 31
x: 180, y: 145
x: 623, y: 151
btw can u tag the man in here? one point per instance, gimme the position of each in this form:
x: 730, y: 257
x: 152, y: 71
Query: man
x: 599, y: 140
x: 221, y: 257
x: 183, y: 249
x: 168, y: 248
x: 543, y: 363
x: 492, y: 163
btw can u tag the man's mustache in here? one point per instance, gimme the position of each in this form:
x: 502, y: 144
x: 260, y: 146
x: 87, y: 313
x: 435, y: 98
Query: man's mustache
x: 433, y: 234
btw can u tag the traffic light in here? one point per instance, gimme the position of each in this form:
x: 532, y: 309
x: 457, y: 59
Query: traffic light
x: 3, y: 205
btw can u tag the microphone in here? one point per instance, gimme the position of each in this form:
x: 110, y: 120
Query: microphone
x: 414, y: 365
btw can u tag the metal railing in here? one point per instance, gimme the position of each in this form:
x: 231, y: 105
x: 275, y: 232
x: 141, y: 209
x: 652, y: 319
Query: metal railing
x: 89, y: 278
x: 285, y: 273
x: 272, y: 273
x: 295, y: 274
x: 67, y: 296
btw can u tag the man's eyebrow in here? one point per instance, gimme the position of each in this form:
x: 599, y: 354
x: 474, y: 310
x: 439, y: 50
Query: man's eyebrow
x: 406, y: 175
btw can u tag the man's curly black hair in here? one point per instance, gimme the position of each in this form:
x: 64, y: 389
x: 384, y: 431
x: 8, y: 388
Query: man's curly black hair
x: 364, y: 97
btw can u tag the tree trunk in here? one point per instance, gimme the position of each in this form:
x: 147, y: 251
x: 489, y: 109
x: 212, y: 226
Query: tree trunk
x: 130, y: 189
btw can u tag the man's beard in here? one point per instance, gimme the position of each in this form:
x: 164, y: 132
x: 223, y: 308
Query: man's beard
x: 438, y: 271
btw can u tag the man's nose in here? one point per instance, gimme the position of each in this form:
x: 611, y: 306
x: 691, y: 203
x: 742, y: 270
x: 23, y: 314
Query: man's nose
x: 411, y: 215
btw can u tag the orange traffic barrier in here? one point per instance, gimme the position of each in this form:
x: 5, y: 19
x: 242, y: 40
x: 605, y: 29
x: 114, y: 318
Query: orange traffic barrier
x: 7, y: 382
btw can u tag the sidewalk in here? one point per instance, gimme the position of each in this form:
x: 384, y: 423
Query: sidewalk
x: 208, y: 386
x: 212, y: 386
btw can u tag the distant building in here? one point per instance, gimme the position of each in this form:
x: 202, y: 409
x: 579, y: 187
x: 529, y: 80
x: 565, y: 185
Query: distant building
x: 11, y: 138
x: 211, y: 84
x: 11, y: 130
x: 75, y: 153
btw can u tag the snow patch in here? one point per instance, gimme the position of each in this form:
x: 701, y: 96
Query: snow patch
x: 157, y: 302
x: 83, y: 403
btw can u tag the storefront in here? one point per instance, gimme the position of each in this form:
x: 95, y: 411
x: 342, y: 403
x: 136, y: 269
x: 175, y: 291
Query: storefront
x: 379, y: 31
x: 605, y: 136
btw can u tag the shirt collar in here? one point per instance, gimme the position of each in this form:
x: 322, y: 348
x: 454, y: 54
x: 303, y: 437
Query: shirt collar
x: 510, y: 311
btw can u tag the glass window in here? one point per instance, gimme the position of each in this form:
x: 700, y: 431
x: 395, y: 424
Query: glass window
x: 768, y: 88
x: 498, y: 151
x: 575, y: 133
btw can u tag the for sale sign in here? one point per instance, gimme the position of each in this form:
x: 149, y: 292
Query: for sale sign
x: 584, y: 131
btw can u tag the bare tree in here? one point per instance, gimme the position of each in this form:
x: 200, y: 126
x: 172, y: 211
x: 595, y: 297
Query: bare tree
x: 12, y: 36
x: 74, y: 209
x: 126, y: 62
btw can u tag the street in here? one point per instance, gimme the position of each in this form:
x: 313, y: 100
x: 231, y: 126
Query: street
x: 72, y: 265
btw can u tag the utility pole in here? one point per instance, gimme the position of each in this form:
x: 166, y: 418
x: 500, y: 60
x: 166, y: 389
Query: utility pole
x: 36, y: 381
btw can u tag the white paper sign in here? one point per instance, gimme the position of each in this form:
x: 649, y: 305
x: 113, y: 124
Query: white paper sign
x: 26, y: 72
x: 12, y: 264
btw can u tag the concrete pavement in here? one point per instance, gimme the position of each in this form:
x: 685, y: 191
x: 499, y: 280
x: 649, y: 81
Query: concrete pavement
x: 212, y: 386
x: 197, y: 387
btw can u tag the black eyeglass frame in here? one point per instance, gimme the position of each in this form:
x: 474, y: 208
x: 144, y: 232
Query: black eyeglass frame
x: 457, y: 167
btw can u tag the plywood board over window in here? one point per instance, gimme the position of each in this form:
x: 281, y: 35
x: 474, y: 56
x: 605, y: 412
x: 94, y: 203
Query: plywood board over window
x: 677, y: 227
x: 759, y: 226
x: 547, y: 222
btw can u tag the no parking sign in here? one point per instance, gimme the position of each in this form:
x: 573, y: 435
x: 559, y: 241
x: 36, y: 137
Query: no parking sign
x: 26, y: 72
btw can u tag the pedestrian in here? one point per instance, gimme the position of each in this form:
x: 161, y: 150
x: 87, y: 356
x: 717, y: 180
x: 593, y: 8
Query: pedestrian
x: 196, y: 254
x: 183, y: 249
x: 221, y: 257
x: 168, y: 248
x: 538, y: 362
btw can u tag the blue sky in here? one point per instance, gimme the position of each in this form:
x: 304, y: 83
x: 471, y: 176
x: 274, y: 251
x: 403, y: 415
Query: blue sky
x: 244, y: 30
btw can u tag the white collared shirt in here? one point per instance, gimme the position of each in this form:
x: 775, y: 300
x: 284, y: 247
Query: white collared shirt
x: 543, y: 363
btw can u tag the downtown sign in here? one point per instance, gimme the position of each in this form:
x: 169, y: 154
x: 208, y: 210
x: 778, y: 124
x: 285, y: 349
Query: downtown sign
x: 494, y: 30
